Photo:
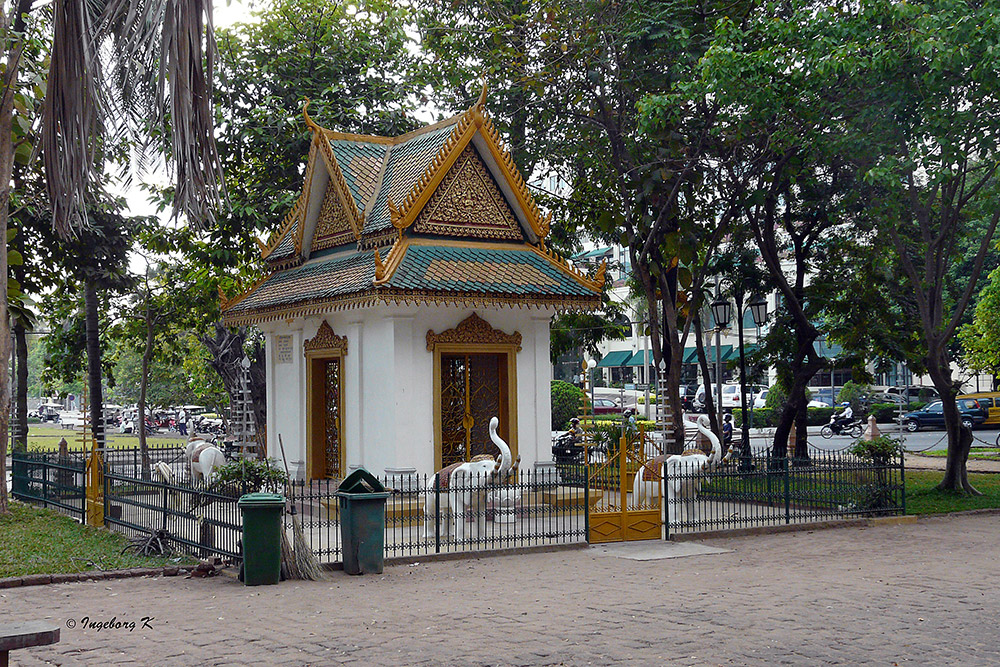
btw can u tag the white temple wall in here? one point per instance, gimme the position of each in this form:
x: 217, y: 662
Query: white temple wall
x: 286, y: 379
x: 388, y: 401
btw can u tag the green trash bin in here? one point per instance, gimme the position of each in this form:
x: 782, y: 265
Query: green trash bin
x: 361, y: 499
x: 261, y: 537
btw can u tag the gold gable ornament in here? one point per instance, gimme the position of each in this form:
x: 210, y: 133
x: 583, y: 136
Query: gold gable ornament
x: 473, y: 330
x: 325, y: 339
x: 468, y: 203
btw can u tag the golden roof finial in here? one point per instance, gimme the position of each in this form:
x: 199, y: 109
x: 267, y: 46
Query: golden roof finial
x: 545, y: 224
x: 481, y: 102
x: 396, y: 217
x: 222, y: 298
x: 601, y: 273
x: 310, y: 123
x: 379, y: 267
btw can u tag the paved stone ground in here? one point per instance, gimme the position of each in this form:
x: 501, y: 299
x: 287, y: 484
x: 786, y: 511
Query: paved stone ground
x: 923, y: 593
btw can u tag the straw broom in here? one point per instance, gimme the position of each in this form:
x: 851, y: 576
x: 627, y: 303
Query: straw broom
x: 306, y: 565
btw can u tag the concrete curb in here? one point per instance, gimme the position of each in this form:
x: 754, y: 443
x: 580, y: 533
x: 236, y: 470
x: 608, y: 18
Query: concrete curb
x: 93, y: 575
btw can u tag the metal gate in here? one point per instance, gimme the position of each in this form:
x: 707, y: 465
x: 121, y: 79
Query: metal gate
x: 616, y: 514
x: 473, y: 389
x: 331, y: 406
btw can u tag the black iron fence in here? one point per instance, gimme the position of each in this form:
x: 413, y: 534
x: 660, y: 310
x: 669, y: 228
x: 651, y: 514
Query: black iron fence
x: 51, y: 480
x: 539, y: 507
x: 475, y: 514
x: 200, y: 521
x: 763, y: 490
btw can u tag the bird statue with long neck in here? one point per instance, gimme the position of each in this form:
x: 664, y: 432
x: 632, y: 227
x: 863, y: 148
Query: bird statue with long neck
x: 463, y: 487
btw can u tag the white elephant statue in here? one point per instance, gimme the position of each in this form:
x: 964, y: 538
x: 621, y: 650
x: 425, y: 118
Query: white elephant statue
x: 463, y: 492
x: 685, y: 473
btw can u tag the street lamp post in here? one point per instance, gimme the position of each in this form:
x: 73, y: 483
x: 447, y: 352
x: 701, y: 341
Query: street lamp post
x: 722, y: 312
x: 758, y: 309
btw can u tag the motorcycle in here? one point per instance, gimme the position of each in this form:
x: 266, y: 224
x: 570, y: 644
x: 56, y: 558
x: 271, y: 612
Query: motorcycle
x: 854, y: 428
x: 566, y: 450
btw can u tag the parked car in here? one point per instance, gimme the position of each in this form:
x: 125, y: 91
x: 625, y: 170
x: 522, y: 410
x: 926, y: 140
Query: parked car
x: 688, y: 392
x: 989, y: 400
x: 972, y: 414
x: 760, y: 399
x: 606, y: 406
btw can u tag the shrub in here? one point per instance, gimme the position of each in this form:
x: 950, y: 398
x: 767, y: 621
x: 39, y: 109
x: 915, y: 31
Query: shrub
x: 777, y: 396
x: 766, y: 417
x: 886, y: 413
x: 880, y: 449
x: 567, y: 402
x: 855, y: 394
x: 251, y: 476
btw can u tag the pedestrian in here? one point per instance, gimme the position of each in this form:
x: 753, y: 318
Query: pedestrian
x: 182, y: 426
x: 727, y: 429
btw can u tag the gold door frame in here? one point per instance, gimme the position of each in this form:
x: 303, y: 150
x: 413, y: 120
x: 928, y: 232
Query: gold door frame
x: 475, y: 336
x: 325, y: 346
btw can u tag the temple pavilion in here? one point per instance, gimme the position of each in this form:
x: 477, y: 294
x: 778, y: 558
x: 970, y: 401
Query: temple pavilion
x: 408, y: 300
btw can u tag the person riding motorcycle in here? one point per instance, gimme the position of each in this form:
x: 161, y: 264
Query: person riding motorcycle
x: 843, y: 419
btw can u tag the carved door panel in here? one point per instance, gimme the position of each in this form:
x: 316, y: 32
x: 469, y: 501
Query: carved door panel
x: 473, y: 391
x: 332, y: 433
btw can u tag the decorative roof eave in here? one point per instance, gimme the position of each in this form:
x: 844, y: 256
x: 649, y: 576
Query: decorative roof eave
x: 373, y: 297
x: 596, y: 283
x: 291, y: 217
x: 320, y: 140
x: 225, y: 304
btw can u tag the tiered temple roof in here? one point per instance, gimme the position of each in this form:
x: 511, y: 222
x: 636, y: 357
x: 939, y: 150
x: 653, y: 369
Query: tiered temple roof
x: 438, y: 215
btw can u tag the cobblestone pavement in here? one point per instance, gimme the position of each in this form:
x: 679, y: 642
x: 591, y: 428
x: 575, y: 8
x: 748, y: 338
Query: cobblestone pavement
x: 922, y: 593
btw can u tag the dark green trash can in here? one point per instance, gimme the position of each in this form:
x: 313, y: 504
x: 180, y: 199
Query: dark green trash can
x: 361, y: 498
x: 261, y: 537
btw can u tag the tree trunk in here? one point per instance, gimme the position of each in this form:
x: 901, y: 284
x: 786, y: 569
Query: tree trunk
x: 703, y: 362
x: 147, y: 356
x: 92, y: 307
x: 21, y: 401
x: 956, y: 473
x: 226, y: 348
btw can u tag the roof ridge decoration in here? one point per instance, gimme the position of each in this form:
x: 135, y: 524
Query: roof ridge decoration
x: 384, y: 270
x: 336, y: 175
x: 473, y: 330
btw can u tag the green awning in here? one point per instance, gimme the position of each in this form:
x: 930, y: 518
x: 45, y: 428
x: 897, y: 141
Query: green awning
x: 728, y: 352
x: 616, y: 358
x: 639, y: 357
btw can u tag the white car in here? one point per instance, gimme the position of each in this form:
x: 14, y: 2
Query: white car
x: 760, y: 399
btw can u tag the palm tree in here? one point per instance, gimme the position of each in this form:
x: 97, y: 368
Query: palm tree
x: 160, y: 58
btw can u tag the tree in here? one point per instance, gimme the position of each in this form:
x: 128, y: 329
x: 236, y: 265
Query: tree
x: 142, y: 35
x: 927, y: 94
x: 980, y: 338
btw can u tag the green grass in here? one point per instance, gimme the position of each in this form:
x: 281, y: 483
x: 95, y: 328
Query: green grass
x: 977, y: 453
x: 46, y: 438
x: 39, y: 541
x: 923, y: 498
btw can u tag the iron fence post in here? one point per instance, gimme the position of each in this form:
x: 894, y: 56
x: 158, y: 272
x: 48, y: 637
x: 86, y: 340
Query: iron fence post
x: 105, y: 469
x: 586, y: 501
x: 788, y: 499
x: 437, y: 513
x: 902, y: 479
x: 164, y: 524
